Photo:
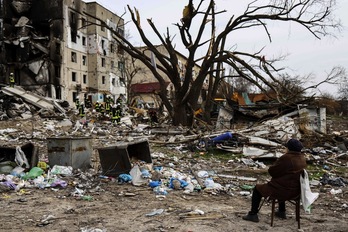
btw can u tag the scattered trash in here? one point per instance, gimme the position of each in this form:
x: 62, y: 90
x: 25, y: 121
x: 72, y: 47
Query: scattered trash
x: 155, y: 212
x: 335, y: 191
x: 61, y: 170
x: 33, y: 173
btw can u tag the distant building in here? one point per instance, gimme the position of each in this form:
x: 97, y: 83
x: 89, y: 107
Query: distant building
x: 145, y: 86
x: 51, y: 50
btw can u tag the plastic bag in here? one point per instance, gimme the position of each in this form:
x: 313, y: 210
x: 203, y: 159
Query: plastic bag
x: 20, y: 158
x: 33, y: 173
x: 307, y: 197
x: 137, y: 178
x: 62, y: 170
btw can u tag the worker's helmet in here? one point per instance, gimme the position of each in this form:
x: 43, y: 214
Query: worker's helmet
x: 11, y: 74
x: 77, y: 97
x: 114, y: 106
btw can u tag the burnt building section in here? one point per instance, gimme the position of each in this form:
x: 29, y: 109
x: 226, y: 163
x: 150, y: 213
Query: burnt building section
x: 31, y: 33
x: 54, y: 49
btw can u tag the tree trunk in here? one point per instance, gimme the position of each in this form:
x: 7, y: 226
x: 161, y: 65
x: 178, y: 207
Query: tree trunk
x: 183, y: 115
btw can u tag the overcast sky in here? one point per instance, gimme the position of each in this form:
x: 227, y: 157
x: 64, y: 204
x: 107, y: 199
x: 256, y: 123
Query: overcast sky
x: 306, y: 54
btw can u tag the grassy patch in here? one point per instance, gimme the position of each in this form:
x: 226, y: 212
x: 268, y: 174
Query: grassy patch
x: 315, y: 172
x: 219, y: 155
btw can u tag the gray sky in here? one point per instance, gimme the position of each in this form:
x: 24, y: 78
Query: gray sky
x: 305, y: 53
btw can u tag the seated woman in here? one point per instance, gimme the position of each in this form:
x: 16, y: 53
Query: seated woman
x: 285, y: 181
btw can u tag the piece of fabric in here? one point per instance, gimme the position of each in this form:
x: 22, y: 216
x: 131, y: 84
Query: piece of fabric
x: 307, y: 197
x: 285, y: 173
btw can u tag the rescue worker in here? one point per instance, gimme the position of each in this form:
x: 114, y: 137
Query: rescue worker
x: 82, y: 110
x: 87, y: 103
x: 101, y: 109
x: 107, y: 105
x: 119, y: 100
x: 111, y: 100
x: 82, y: 114
x: 97, y: 106
x: 12, y: 80
x: 114, y: 114
x: 77, y: 102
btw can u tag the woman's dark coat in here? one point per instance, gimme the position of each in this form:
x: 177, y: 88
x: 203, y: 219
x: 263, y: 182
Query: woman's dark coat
x: 285, y: 173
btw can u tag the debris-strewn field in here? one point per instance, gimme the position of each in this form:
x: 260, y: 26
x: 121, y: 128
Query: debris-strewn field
x: 192, y: 183
x: 107, y: 205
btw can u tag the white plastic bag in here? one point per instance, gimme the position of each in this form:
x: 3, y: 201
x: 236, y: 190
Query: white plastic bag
x: 20, y: 158
x: 137, y: 178
x: 307, y: 197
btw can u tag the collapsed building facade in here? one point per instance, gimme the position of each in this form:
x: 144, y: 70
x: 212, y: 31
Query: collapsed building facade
x: 56, y: 50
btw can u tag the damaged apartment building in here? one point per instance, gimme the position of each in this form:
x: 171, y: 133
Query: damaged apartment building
x: 55, y: 49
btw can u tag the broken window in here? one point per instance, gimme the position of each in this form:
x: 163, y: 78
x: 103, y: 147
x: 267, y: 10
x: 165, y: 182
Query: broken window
x: 120, y: 66
x: 84, y: 60
x: 72, y: 18
x: 73, y: 57
x: 103, y: 62
x: 83, y: 22
x: 113, y: 81
x: 84, y: 79
x: 112, y: 48
x: 120, y: 31
x: 73, y: 36
x: 122, y: 82
x: 84, y: 43
x: 120, y: 50
x: 73, y: 27
x: 102, y: 28
x: 103, y: 80
x: 73, y: 76
x: 102, y: 44
x: 74, y: 96
x: 58, y: 92
x: 57, y: 71
x: 57, y: 48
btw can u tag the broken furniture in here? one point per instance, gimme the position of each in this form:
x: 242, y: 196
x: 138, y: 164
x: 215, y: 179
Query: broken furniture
x: 116, y: 159
x: 70, y: 151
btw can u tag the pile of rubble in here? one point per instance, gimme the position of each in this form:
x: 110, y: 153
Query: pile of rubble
x: 122, y: 153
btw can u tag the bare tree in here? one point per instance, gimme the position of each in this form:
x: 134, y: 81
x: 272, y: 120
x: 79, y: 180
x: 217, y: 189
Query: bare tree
x: 313, y: 15
x: 130, y: 70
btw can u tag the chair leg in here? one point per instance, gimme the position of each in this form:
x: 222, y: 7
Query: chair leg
x: 272, y: 214
x: 298, y: 214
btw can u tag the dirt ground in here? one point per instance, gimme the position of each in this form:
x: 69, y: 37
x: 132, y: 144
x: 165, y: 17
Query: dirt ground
x: 111, y: 206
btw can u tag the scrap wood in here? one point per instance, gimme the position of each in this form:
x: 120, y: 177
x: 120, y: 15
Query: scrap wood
x: 210, y: 127
x: 202, y: 217
x: 187, y: 139
x: 333, y: 164
x: 199, y: 180
x: 237, y: 177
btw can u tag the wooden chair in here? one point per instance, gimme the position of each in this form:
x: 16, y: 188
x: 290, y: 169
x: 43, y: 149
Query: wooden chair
x: 295, y: 201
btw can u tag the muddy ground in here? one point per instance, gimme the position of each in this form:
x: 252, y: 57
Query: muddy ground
x: 111, y: 206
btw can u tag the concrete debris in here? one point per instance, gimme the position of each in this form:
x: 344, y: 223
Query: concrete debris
x: 85, y: 153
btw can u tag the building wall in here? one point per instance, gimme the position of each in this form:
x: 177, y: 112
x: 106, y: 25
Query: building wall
x: 75, y: 50
x: 64, y: 59
x: 104, y: 57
